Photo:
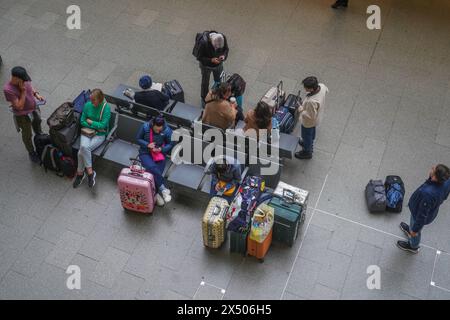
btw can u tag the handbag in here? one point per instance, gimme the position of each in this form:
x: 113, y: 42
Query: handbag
x: 89, y: 132
x: 156, y: 156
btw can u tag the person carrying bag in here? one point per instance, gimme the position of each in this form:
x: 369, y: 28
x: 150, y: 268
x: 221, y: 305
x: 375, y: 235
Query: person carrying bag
x: 94, y: 128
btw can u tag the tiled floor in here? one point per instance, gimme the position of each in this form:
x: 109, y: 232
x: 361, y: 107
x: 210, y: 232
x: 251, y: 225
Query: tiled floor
x: 388, y: 111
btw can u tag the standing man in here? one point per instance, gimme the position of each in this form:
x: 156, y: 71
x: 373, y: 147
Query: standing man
x: 424, y: 206
x: 310, y: 114
x: 340, y: 3
x: 27, y: 116
x: 211, y: 50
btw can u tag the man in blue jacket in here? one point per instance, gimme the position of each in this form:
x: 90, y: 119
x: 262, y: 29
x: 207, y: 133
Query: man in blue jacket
x: 155, y: 140
x: 424, y: 206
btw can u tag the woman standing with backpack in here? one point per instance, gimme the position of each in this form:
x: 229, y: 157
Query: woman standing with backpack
x: 94, y: 128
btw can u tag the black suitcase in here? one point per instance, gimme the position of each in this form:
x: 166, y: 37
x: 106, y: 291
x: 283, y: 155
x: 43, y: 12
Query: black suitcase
x: 65, y: 137
x: 238, y: 242
x: 293, y: 102
x: 174, y: 90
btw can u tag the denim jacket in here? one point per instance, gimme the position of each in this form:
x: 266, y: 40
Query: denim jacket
x: 425, y: 201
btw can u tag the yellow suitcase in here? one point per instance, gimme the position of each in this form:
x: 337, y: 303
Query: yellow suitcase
x: 213, y: 224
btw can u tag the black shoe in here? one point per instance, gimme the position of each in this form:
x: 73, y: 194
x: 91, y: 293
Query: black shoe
x: 34, y: 157
x: 405, y: 228
x: 404, y: 245
x: 91, y: 179
x: 303, y: 155
x: 78, y: 180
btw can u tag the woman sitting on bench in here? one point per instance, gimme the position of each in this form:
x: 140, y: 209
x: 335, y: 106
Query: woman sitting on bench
x: 155, y: 140
x: 258, y: 119
x: 94, y: 128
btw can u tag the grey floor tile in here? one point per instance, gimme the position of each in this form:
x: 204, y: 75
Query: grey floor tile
x: 32, y: 257
x: 65, y: 249
x: 109, y: 267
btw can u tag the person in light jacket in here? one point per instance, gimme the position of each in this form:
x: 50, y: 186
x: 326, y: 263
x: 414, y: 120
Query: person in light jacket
x: 311, y: 112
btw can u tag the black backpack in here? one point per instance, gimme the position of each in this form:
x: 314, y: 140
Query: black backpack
x: 395, y: 193
x: 53, y: 159
x: 62, y: 117
x: 40, y: 141
x: 200, y: 39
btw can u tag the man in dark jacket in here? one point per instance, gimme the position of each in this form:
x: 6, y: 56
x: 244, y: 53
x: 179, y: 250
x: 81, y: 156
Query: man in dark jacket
x: 150, y: 97
x: 211, y: 55
x: 424, y: 206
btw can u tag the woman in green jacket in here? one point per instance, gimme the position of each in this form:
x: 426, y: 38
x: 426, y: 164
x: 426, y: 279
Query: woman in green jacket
x: 94, y: 128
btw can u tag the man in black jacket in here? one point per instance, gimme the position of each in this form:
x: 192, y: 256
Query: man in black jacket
x: 212, y: 52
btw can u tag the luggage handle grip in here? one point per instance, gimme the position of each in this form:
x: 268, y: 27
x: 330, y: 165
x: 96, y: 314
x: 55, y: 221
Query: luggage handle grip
x: 217, y: 210
x: 288, y: 196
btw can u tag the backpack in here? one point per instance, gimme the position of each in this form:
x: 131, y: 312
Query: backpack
x: 376, y: 196
x: 241, y: 210
x: 237, y: 84
x: 200, y: 39
x: 62, y: 117
x: 395, y: 193
x: 53, y: 159
x: 40, y: 141
x: 285, y: 120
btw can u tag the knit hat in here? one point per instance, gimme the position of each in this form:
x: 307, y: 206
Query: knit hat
x: 159, y: 121
x: 217, y: 40
x: 145, y: 82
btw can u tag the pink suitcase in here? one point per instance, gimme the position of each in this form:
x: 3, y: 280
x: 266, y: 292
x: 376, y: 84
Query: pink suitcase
x: 137, y: 189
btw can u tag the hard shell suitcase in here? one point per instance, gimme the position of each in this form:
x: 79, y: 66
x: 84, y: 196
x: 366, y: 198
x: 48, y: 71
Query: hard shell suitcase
x: 259, y: 249
x: 174, y: 90
x: 288, y: 219
x: 274, y: 97
x: 213, y: 223
x: 300, y: 196
x: 137, y: 189
x: 238, y: 242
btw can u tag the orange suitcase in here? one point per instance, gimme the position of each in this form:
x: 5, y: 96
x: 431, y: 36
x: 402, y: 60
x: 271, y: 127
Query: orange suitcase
x: 259, y: 250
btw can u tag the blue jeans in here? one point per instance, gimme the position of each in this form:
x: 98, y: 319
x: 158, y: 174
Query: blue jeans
x: 155, y: 168
x: 414, y: 241
x: 308, y: 136
x: 87, y: 145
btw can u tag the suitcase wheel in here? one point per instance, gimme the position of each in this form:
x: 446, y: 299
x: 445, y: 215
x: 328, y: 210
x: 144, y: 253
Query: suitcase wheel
x: 261, y: 260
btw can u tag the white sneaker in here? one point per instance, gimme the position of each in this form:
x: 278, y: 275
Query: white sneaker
x: 166, y: 195
x: 159, y: 200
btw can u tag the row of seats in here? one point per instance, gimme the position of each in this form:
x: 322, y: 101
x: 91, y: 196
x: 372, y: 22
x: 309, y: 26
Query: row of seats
x: 121, y: 145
